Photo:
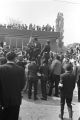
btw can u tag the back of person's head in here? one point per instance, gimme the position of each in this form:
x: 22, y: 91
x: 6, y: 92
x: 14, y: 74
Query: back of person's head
x: 35, y: 39
x: 33, y: 60
x: 68, y: 67
x: 10, y: 56
x: 3, y: 60
x: 48, y: 41
x: 57, y: 57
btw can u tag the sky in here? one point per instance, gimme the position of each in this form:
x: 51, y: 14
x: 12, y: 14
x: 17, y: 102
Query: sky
x: 42, y: 12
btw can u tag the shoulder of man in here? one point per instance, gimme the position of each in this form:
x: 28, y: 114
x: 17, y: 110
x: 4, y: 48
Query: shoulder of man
x: 53, y: 63
x: 19, y: 67
x: 63, y: 74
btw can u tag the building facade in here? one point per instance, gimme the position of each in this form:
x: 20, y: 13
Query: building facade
x: 19, y: 38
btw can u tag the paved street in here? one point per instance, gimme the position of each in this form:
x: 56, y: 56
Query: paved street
x: 47, y: 110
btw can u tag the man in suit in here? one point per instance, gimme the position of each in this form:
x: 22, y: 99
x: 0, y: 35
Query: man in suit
x: 37, y: 47
x: 21, y: 62
x: 44, y: 70
x: 33, y: 68
x: 12, y: 81
x: 55, y: 71
x: 67, y: 85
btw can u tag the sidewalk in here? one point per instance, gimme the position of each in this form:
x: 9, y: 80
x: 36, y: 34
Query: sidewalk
x: 47, y: 110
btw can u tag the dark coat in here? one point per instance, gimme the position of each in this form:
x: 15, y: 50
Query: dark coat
x: 44, y: 70
x: 12, y: 81
x: 46, y: 49
x: 33, y: 68
x: 67, y: 79
x: 21, y: 63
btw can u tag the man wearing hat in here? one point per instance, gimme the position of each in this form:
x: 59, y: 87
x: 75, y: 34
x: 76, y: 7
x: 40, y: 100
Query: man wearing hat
x: 12, y: 81
x: 66, y: 86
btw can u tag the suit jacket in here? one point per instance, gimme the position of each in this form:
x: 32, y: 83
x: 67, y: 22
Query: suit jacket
x: 67, y: 79
x: 56, y: 67
x: 44, y: 70
x: 12, y: 81
x: 33, y: 68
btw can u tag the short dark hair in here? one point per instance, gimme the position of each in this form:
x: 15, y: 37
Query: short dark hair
x: 68, y: 67
x: 57, y: 57
x: 36, y: 39
x: 11, y: 55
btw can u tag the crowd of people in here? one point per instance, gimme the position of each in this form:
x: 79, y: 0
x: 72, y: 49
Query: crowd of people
x: 21, y: 71
x: 31, y: 26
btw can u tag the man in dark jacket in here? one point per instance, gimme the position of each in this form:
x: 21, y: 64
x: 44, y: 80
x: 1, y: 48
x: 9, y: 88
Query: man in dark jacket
x: 55, y: 71
x: 67, y: 85
x: 46, y: 48
x: 44, y: 70
x: 37, y: 47
x: 32, y: 79
x: 12, y: 81
x: 21, y: 62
